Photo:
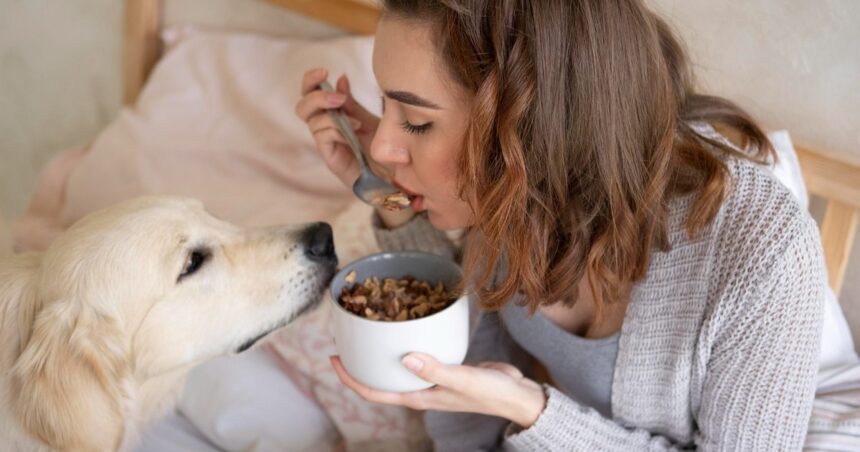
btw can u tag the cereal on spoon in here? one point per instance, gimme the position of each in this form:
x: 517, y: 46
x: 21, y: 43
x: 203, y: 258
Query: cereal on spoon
x: 393, y: 201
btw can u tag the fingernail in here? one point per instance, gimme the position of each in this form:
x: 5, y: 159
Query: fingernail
x: 356, y: 124
x: 335, y: 99
x: 412, y: 363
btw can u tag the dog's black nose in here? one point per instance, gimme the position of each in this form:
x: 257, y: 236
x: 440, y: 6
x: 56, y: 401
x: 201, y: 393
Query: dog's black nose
x: 319, y: 243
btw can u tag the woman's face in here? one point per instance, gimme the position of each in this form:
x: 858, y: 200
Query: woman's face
x: 423, y: 122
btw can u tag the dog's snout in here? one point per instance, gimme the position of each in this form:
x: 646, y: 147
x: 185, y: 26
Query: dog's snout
x: 319, y: 243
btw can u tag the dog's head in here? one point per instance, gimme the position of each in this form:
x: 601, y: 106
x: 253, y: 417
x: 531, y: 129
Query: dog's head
x: 153, y: 286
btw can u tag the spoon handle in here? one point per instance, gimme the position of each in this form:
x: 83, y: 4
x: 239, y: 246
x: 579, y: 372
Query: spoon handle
x: 345, y: 128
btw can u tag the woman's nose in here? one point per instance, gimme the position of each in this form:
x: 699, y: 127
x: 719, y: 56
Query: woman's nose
x: 385, y: 148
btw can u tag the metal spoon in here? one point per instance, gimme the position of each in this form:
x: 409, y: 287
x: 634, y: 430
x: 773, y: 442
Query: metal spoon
x: 369, y: 187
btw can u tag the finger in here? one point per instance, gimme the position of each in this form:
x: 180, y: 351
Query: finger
x: 317, y: 101
x: 322, y: 121
x: 351, y: 106
x: 506, y: 368
x: 431, y: 370
x: 343, y: 84
x: 326, y: 142
x: 367, y: 393
x: 437, y: 398
x: 312, y: 79
x: 335, y: 153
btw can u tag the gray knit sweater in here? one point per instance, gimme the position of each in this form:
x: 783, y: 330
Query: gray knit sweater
x: 718, y: 349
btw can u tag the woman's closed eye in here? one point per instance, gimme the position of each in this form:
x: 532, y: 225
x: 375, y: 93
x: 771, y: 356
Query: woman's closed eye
x: 416, y: 129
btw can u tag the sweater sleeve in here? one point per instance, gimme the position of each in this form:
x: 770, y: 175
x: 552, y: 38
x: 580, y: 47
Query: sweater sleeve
x: 464, y: 432
x: 759, y: 384
x: 416, y: 235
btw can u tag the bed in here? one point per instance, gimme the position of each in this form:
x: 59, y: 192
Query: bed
x: 147, y: 80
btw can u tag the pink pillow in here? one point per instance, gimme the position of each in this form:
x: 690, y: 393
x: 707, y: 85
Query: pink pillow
x: 216, y: 122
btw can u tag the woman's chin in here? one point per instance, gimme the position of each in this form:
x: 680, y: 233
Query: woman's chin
x: 444, y: 223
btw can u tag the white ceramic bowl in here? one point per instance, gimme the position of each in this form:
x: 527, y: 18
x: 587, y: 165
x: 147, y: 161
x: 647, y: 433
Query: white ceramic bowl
x: 371, y: 350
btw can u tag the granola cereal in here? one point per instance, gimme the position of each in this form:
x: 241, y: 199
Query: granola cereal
x: 394, y: 299
x: 393, y: 201
x: 350, y: 278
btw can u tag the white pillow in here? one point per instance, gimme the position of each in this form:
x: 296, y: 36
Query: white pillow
x: 837, y: 345
x: 216, y: 121
x: 787, y: 168
x: 247, y: 403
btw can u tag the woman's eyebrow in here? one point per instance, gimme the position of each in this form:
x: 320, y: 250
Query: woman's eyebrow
x: 406, y: 97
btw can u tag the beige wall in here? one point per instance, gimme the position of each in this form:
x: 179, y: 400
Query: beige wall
x: 5, y: 238
x: 794, y: 64
x: 59, y: 83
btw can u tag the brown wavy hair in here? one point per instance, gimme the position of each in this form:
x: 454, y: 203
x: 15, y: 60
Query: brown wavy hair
x: 579, y: 138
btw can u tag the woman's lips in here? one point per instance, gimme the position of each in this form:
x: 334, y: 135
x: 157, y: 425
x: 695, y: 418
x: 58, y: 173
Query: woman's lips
x: 408, y: 192
x: 416, y: 201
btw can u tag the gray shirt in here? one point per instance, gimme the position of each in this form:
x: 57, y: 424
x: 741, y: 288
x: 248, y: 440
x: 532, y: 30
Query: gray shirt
x: 582, y: 368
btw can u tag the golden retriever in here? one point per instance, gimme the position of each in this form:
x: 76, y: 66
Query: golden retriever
x: 98, y: 332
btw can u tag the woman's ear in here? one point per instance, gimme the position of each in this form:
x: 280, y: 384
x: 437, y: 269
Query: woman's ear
x: 67, y: 381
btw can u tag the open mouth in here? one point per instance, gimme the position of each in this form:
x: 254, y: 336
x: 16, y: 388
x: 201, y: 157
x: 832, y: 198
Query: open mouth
x: 250, y: 342
x: 416, y: 201
x: 409, y: 193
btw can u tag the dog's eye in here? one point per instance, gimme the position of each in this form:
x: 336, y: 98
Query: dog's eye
x: 193, y: 262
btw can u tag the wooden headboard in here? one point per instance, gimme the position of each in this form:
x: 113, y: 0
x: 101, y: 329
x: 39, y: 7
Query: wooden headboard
x: 142, y: 22
x: 827, y: 175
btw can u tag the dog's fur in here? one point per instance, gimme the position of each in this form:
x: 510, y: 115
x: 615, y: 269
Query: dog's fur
x: 97, y: 333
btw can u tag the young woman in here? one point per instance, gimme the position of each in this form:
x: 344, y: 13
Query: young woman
x: 669, y: 285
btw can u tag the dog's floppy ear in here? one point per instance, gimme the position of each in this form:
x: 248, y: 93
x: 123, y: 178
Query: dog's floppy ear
x: 67, y: 381
x: 17, y: 292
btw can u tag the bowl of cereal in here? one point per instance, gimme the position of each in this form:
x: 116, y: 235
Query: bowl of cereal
x: 389, y: 304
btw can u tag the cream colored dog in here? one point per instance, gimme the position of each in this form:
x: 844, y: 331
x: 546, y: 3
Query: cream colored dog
x: 99, y: 331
